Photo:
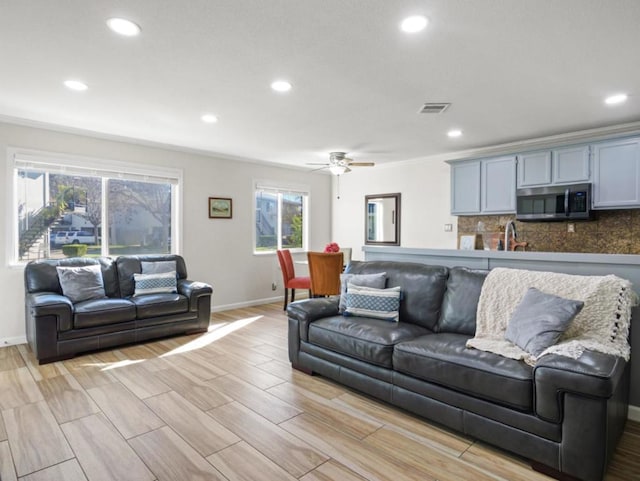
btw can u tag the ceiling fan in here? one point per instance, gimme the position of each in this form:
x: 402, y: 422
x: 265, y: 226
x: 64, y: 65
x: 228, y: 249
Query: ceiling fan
x: 340, y: 164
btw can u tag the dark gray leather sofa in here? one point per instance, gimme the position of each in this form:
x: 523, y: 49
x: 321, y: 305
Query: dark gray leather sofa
x: 59, y: 329
x: 565, y: 415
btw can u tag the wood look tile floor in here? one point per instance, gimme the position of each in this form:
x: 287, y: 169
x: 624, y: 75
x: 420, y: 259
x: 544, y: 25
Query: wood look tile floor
x: 226, y: 405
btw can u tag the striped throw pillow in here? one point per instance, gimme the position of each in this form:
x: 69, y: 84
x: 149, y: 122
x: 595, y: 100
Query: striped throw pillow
x: 155, y: 283
x: 371, y: 302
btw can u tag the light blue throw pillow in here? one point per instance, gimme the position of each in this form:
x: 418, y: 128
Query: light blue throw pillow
x: 370, y: 302
x: 158, y: 267
x: 377, y: 280
x: 155, y: 283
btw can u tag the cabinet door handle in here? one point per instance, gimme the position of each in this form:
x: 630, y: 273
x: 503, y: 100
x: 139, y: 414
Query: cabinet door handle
x: 566, y: 202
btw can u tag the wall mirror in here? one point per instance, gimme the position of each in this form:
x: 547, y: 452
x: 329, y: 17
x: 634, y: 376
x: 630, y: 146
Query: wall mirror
x: 382, y: 219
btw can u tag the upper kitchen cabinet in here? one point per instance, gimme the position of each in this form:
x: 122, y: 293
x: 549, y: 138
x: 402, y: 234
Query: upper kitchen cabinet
x: 550, y: 167
x: 616, y: 174
x: 465, y: 187
x: 534, y: 168
x: 571, y: 165
x: 498, y: 185
x: 485, y: 186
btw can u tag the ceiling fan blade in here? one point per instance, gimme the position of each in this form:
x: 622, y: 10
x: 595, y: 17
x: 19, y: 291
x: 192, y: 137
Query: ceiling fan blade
x: 361, y: 164
x: 318, y: 163
x: 319, y: 168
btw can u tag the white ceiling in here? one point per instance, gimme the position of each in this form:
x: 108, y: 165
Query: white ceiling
x: 512, y: 70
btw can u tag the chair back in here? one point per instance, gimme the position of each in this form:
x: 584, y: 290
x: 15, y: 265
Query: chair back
x: 325, y: 270
x: 286, y: 265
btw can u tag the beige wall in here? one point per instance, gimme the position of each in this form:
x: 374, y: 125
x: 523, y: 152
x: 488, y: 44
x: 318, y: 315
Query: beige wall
x: 216, y: 251
x: 425, y: 189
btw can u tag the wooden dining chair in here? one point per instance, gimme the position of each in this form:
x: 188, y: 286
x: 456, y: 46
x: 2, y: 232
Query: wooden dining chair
x: 289, y: 279
x: 324, y: 270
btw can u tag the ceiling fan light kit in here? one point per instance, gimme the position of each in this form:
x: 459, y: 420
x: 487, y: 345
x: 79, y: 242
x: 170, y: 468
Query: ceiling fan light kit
x: 340, y: 164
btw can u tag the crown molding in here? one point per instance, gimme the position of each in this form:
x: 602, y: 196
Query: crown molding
x: 539, y: 143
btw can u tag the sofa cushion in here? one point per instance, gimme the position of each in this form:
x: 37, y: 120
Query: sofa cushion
x: 81, y: 283
x: 461, y: 301
x: 540, y: 319
x: 370, y: 302
x: 363, y: 338
x: 445, y: 360
x: 161, y: 304
x: 98, y: 312
x: 365, y: 280
x: 422, y: 288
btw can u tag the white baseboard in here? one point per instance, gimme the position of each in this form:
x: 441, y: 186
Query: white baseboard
x: 634, y: 413
x: 239, y: 305
x: 10, y: 341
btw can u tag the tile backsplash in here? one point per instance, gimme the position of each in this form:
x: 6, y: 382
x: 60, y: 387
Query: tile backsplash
x: 611, y: 232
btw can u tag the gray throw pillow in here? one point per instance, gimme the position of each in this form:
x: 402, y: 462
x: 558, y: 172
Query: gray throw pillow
x: 81, y: 283
x: 377, y: 281
x: 540, y: 319
x: 159, y: 267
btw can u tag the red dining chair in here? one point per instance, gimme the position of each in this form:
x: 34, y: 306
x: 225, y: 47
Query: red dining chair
x: 289, y: 277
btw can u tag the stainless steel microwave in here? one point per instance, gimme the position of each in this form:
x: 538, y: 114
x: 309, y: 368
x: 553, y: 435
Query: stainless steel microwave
x: 554, y: 203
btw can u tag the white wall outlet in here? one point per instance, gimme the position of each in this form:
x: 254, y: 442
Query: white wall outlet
x: 448, y: 227
x: 571, y: 227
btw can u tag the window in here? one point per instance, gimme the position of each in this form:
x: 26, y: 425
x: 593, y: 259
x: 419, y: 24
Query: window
x: 281, y: 218
x: 111, y: 207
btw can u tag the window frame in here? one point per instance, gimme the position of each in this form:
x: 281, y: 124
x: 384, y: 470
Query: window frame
x: 281, y: 188
x: 95, y: 167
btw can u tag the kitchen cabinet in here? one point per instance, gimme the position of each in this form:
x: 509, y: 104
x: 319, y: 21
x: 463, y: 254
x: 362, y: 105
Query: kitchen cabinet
x: 486, y: 186
x: 571, y: 165
x: 498, y: 185
x: 616, y: 174
x: 465, y: 187
x: 534, y: 168
x: 551, y: 167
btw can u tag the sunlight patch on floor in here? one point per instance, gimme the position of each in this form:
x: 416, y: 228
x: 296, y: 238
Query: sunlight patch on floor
x: 106, y: 366
x: 214, y: 333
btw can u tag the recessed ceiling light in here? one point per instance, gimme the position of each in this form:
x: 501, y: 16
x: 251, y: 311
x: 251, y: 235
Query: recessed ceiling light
x: 124, y: 27
x: 75, y: 85
x: 414, y: 24
x: 281, y: 86
x: 616, y: 99
x: 209, y: 118
x: 454, y: 133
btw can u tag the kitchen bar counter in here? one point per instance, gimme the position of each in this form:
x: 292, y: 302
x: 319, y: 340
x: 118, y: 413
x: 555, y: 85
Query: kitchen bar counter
x: 478, y: 256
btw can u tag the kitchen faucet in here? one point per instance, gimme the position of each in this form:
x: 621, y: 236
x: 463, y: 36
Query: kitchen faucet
x: 510, y: 225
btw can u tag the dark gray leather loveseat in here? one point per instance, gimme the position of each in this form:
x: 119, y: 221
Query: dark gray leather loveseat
x: 58, y: 328
x: 565, y: 415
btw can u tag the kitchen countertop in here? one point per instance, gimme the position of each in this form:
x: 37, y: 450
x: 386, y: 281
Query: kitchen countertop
x: 624, y: 259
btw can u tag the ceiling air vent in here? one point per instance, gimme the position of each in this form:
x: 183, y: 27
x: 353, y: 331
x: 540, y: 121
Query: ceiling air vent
x: 434, y: 108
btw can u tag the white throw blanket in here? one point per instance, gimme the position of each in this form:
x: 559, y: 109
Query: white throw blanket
x: 602, y: 325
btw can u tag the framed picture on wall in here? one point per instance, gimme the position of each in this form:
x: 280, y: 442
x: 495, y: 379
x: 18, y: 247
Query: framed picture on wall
x: 220, y: 208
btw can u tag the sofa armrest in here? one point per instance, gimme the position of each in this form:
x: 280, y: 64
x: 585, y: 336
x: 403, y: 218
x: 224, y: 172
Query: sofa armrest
x: 44, y: 304
x: 193, y: 290
x: 309, y: 310
x: 594, y: 375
